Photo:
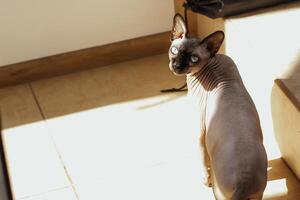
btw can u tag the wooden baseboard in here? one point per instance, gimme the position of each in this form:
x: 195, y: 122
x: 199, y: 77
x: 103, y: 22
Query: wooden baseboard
x: 84, y: 59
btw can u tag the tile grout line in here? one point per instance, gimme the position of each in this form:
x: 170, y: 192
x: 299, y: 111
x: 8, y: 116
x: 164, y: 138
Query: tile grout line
x: 42, y: 193
x: 55, y: 146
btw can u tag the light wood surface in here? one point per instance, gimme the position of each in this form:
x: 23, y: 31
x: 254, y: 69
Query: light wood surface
x: 192, y: 17
x: 286, y: 117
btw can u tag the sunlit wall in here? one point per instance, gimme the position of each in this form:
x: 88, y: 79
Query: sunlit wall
x: 265, y: 45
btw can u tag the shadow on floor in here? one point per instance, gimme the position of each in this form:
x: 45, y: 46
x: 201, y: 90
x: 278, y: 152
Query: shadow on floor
x: 91, y: 89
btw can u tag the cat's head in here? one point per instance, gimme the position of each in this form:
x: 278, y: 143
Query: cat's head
x: 189, y: 54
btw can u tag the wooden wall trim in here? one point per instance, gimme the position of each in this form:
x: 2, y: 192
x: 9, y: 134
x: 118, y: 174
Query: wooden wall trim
x: 84, y: 59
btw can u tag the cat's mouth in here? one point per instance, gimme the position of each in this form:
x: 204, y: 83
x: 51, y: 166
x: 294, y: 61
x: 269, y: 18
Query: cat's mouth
x: 178, y: 70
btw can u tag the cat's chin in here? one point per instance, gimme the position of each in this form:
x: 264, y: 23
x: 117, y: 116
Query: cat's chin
x: 179, y: 72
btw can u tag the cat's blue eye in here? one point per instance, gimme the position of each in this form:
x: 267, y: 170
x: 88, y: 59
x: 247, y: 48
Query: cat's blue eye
x: 194, y: 59
x: 174, y: 50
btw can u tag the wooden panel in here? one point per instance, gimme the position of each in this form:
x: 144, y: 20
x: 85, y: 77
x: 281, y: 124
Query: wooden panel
x: 192, y: 17
x: 290, y: 87
x: 208, y: 26
x: 286, y: 118
x: 84, y: 59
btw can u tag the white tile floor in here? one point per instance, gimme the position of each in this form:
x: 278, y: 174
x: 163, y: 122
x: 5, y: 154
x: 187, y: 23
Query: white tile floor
x: 34, y: 163
x: 61, y: 194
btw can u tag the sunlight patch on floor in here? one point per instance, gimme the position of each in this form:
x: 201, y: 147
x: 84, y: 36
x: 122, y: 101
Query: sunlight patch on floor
x: 276, y: 188
x: 146, y: 146
x: 34, y: 165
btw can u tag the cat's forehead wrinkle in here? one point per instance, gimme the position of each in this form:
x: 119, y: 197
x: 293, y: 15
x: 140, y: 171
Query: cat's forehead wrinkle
x: 192, y: 41
x: 191, y: 44
x: 201, y: 51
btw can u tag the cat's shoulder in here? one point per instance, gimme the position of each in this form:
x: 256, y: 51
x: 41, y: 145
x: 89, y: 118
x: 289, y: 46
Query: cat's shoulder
x: 224, y: 58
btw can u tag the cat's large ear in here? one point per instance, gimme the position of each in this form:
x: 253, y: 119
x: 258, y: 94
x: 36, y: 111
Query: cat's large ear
x: 179, y: 29
x: 213, y: 42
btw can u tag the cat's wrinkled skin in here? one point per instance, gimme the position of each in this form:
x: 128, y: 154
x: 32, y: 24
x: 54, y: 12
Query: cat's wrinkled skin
x: 233, y: 157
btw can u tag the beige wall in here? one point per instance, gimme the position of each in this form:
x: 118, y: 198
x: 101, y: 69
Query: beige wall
x: 32, y: 29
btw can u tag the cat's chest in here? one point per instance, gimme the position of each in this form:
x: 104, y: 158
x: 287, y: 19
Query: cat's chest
x: 207, y: 105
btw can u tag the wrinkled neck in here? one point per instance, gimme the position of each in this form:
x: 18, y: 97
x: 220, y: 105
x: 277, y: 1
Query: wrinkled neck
x: 216, y: 75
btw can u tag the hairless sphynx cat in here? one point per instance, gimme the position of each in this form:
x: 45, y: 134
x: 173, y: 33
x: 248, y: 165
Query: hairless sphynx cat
x: 233, y: 157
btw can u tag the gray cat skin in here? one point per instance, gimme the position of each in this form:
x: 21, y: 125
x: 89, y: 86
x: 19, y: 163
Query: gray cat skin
x: 234, y: 160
